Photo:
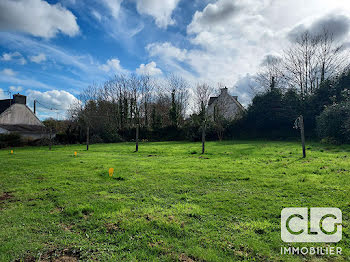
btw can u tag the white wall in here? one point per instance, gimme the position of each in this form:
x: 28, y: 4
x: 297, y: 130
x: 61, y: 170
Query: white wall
x: 19, y: 114
x: 226, y: 105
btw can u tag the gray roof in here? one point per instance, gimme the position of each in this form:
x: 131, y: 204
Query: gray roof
x: 25, y: 128
x: 211, y: 100
x: 4, y: 104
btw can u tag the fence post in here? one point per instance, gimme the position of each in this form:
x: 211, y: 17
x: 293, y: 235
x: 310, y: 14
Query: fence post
x: 87, y: 138
x: 302, y: 133
x: 50, y: 144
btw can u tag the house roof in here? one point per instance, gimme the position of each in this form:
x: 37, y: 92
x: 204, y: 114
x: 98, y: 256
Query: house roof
x: 25, y: 128
x: 234, y: 98
x: 212, y: 99
x: 4, y: 104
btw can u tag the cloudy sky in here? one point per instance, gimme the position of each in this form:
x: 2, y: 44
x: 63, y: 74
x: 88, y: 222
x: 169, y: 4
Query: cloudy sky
x: 51, y: 50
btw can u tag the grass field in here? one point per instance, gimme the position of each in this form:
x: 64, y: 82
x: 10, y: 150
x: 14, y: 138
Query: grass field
x: 165, y: 203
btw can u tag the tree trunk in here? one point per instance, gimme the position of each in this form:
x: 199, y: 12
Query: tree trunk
x: 137, y: 137
x: 87, y: 138
x: 50, y: 143
x: 302, y: 133
x: 323, y: 72
x: 203, y: 138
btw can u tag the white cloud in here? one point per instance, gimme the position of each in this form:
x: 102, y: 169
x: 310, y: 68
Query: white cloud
x: 8, y: 72
x: 336, y: 24
x: 231, y: 38
x: 166, y: 50
x: 113, y: 6
x: 23, y: 81
x: 16, y: 56
x: 8, y: 56
x: 16, y: 89
x: 97, y: 15
x: 57, y: 99
x: 113, y: 65
x: 213, y: 14
x: 149, y: 69
x: 83, y: 66
x: 38, y: 58
x: 37, y: 17
x: 160, y: 10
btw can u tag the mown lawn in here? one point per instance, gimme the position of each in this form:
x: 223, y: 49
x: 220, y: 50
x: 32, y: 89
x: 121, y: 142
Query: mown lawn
x: 165, y: 203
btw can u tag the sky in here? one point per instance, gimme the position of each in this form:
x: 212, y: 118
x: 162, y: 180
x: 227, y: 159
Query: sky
x: 51, y: 50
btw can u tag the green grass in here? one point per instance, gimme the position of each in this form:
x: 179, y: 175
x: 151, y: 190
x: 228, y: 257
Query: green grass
x: 167, y: 202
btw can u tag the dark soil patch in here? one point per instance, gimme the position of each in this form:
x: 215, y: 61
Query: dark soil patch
x: 185, y: 258
x: 5, y: 196
x: 55, y: 255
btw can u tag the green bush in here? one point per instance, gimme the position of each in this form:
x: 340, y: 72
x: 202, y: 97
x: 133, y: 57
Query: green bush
x: 334, y: 123
x: 11, y: 139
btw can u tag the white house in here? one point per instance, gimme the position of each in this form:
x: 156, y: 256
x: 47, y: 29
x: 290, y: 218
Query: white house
x: 16, y: 117
x: 225, y: 106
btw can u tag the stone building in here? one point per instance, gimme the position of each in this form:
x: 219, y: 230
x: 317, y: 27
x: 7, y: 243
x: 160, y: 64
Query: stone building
x: 16, y: 117
x: 225, y: 106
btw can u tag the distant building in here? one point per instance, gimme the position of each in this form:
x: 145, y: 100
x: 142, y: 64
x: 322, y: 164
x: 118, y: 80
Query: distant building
x: 16, y: 117
x: 225, y: 106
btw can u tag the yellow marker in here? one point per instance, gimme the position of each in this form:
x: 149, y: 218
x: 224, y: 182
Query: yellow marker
x: 75, y: 153
x: 11, y: 151
x: 111, y: 171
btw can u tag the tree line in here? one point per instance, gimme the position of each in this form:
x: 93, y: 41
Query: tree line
x: 311, y: 78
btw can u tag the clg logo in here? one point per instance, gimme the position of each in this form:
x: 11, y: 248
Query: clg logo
x: 311, y: 225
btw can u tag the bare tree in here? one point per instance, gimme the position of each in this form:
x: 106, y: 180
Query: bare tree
x: 140, y: 88
x: 330, y: 55
x: 271, y: 74
x: 301, y: 63
x: 202, y: 95
x: 178, y: 89
x: 311, y: 59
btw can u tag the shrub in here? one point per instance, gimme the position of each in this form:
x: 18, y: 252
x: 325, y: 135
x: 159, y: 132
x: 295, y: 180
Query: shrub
x: 334, y: 123
x: 12, y: 139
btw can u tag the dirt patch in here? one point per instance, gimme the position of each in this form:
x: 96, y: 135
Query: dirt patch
x: 185, y: 258
x: 5, y: 196
x: 55, y: 255
x: 156, y: 244
x: 66, y: 227
x: 113, y: 227
x: 65, y: 255
x: 66, y: 259
x: 149, y: 217
x: 56, y: 210
x: 119, y: 178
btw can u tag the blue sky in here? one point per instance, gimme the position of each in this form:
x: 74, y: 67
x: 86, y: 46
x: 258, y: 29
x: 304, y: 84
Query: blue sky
x: 51, y: 50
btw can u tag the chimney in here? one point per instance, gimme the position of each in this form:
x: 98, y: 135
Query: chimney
x: 19, y: 99
x: 223, y: 90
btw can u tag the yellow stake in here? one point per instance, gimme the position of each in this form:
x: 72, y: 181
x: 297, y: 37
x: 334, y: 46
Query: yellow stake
x: 111, y: 171
x: 11, y: 151
x: 75, y: 153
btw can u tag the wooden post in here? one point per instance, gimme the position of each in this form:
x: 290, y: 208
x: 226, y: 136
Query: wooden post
x: 87, y: 138
x: 137, y: 137
x: 203, y: 126
x: 203, y: 138
x: 50, y: 144
x: 302, y: 133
